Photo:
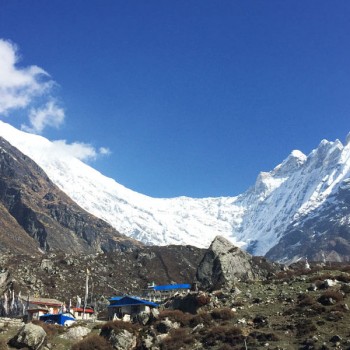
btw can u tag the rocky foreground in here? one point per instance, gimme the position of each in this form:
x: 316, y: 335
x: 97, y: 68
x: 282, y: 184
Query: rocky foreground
x: 243, y: 302
x: 295, y: 309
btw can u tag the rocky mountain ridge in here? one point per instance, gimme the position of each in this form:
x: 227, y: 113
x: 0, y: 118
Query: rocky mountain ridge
x: 299, y: 192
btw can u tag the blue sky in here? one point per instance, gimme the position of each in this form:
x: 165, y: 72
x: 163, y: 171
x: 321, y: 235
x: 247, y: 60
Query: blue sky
x: 180, y: 97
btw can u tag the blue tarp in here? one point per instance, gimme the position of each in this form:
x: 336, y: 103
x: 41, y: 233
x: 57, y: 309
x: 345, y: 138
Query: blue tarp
x: 171, y: 287
x: 60, y: 319
x: 126, y: 301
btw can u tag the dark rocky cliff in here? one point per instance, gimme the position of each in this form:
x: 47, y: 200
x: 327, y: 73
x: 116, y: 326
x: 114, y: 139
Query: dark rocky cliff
x: 35, y: 214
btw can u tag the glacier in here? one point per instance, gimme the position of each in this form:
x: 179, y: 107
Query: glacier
x: 254, y: 220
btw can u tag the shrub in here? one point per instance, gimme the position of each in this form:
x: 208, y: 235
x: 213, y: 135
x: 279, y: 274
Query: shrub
x: 117, y: 327
x: 3, y: 345
x: 345, y: 268
x: 263, y: 337
x: 92, y: 342
x: 345, y: 288
x: 260, y: 321
x: 339, y: 308
x: 50, y: 329
x: 203, y: 299
x: 305, y: 327
x: 203, y: 317
x: 227, y: 347
x: 324, y: 276
x: 334, y: 316
x: 238, y: 303
x: 222, y: 314
x: 179, y: 338
x: 226, y: 334
x: 330, y: 295
x: 305, y: 300
x: 176, y: 316
x: 343, y: 278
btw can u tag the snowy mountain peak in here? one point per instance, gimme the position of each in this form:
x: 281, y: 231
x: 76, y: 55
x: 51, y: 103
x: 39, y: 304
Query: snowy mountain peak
x: 255, y: 219
x: 347, y: 139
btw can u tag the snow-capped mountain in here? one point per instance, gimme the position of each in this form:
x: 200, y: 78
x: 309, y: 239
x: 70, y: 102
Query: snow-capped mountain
x: 256, y: 219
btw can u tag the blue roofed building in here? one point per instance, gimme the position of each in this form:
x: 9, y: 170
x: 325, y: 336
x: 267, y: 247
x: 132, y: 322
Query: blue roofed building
x: 128, y: 307
x: 162, y: 292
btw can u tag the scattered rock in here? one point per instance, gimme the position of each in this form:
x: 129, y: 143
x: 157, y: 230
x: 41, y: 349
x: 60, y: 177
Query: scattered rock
x: 123, y: 340
x: 335, y: 339
x: 76, y: 333
x: 166, y: 325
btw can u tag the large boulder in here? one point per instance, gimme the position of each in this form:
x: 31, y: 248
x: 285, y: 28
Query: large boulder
x: 29, y: 336
x: 224, y: 264
x: 4, y: 280
x: 76, y: 333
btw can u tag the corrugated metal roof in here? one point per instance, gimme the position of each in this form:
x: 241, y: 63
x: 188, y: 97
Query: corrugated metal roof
x: 171, y: 287
x: 80, y: 309
x: 130, y: 301
x: 43, y: 301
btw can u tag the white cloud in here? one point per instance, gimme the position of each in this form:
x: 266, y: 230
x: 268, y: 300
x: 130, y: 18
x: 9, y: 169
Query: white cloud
x: 48, y: 115
x: 24, y: 88
x: 80, y: 150
x: 104, y: 151
x: 19, y: 86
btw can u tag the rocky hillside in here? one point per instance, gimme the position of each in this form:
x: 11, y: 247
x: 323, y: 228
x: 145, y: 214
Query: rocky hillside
x: 295, y: 309
x: 62, y: 276
x: 36, y: 216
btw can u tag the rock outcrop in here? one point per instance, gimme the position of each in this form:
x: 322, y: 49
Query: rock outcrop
x: 224, y: 264
x: 76, y: 333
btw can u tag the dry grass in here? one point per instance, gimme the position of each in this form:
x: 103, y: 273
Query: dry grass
x: 117, y: 327
x: 225, y: 334
x: 176, y: 316
x: 180, y: 338
x: 3, y: 344
x: 92, y: 342
x: 330, y: 296
x: 222, y: 314
x: 305, y: 327
x: 51, y: 329
x: 201, y: 318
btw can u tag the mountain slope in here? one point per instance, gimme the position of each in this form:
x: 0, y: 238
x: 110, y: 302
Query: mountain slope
x: 322, y: 234
x: 300, y: 186
x: 36, y: 216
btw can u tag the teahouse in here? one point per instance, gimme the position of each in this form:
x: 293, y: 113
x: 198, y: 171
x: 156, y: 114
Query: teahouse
x: 128, y: 307
x: 37, y: 307
x: 80, y: 314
